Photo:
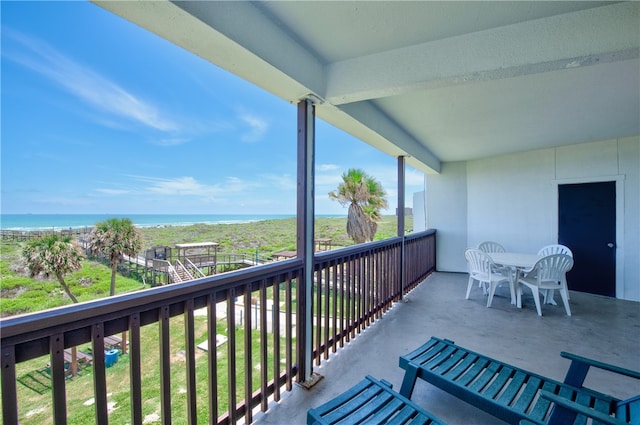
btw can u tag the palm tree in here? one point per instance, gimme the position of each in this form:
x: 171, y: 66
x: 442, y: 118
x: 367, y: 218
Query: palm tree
x: 114, y: 238
x: 57, y: 255
x: 365, y: 197
x: 53, y: 255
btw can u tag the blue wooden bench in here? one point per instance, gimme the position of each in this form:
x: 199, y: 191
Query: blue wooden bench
x: 370, y: 402
x: 513, y: 394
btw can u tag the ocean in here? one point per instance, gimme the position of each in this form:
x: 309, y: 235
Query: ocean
x: 73, y: 221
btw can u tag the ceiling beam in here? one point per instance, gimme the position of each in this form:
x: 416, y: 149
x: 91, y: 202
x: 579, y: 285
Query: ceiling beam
x: 366, y: 121
x: 223, y: 33
x: 583, y: 38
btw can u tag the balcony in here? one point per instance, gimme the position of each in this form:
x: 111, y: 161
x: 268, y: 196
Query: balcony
x: 359, y: 326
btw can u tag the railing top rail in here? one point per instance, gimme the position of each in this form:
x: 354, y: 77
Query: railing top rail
x: 369, y: 246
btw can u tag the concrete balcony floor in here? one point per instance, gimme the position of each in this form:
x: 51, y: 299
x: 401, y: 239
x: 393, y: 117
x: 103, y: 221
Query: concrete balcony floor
x: 602, y: 328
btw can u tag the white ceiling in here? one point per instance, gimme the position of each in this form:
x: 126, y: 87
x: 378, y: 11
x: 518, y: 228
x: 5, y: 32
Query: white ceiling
x: 434, y: 81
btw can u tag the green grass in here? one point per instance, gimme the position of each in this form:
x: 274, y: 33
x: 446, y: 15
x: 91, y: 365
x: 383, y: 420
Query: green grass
x: 268, y: 236
x: 22, y: 294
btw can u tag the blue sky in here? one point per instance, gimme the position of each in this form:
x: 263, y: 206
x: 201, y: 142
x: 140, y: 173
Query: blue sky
x: 101, y: 116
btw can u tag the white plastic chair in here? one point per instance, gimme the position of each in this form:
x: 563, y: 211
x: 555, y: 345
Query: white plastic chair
x: 550, y: 250
x: 483, y: 270
x: 490, y: 246
x: 548, y: 273
x: 555, y: 249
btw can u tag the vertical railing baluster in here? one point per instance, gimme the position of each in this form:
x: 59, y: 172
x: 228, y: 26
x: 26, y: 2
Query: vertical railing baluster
x: 368, y: 283
x: 316, y: 308
x: 165, y: 365
x: 381, y: 299
x: 384, y: 289
x: 264, y: 354
x: 99, y: 373
x: 361, y: 283
x: 190, y: 346
x: 9, y: 388
x: 343, y: 295
x: 135, y: 371
x: 354, y: 295
x: 327, y: 301
x: 231, y: 354
x: 58, y: 391
x: 213, y: 357
x: 337, y: 331
x: 289, y: 327
x: 248, y: 354
x: 275, y: 328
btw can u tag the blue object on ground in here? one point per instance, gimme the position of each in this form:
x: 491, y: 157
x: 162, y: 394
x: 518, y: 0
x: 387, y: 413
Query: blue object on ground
x: 111, y: 357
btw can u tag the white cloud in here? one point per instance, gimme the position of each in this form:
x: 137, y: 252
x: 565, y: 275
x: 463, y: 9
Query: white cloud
x: 258, y: 127
x: 326, y: 167
x: 328, y: 180
x: 189, y: 186
x: 284, y: 182
x: 413, y: 177
x: 178, y: 186
x: 87, y: 84
x: 175, y: 141
x: 113, y: 191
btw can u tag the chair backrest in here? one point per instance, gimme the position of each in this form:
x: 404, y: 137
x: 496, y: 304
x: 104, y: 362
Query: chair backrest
x: 478, y: 261
x: 555, y: 249
x: 490, y: 246
x: 552, y: 268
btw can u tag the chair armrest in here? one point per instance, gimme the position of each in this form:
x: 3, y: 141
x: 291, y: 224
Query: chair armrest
x: 582, y: 410
x: 601, y: 365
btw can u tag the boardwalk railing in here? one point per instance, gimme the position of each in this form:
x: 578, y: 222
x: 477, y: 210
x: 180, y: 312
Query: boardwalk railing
x: 25, y: 235
x: 251, y: 322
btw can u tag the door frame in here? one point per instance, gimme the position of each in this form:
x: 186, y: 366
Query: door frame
x: 619, y: 179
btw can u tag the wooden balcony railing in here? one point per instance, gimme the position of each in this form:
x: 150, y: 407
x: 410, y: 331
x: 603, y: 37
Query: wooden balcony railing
x: 224, y: 380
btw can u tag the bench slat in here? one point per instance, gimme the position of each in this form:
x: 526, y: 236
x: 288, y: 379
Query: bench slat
x: 461, y: 367
x: 515, y: 386
x: 498, y: 384
x: 453, y: 360
x: 540, y: 409
x: 393, y: 407
x: 351, y: 408
x: 487, y: 374
x: 472, y: 373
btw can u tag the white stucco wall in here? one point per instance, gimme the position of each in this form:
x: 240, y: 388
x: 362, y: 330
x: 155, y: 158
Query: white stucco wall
x: 512, y: 199
x: 449, y: 188
x: 419, y: 212
x: 629, y: 159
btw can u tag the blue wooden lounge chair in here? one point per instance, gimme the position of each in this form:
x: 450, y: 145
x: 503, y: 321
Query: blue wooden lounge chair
x: 370, y: 402
x: 513, y: 394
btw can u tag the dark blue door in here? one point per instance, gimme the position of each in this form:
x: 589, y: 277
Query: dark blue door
x: 587, y: 225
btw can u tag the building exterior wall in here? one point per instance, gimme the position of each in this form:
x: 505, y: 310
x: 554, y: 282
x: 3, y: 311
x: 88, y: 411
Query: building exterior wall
x: 512, y: 199
x: 419, y: 212
x: 449, y: 188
